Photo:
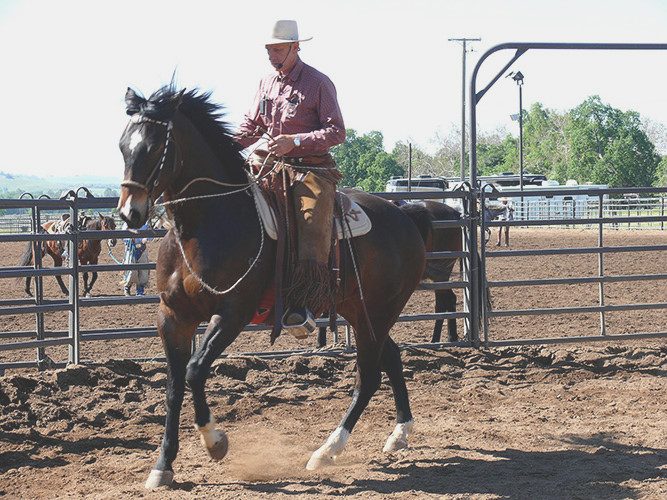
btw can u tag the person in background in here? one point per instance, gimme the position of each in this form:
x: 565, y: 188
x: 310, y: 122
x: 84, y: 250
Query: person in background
x: 507, y: 214
x: 135, y: 253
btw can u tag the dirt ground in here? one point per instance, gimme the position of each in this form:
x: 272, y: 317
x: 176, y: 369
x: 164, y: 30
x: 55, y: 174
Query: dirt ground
x: 526, y: 422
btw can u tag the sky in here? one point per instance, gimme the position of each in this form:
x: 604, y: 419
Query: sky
x: 66, y: 65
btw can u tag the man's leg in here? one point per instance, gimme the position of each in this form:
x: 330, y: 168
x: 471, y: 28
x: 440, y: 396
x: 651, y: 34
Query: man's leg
x: 310, y: 286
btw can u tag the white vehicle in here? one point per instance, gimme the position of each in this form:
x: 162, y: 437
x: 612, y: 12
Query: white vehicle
x: 572, y: 205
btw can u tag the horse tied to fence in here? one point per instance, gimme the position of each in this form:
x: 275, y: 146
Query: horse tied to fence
x: 215, y: 262
x: 88, y: 251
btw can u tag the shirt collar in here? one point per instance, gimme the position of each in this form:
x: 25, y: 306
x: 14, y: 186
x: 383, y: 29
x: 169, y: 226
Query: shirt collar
x: 294, y: 74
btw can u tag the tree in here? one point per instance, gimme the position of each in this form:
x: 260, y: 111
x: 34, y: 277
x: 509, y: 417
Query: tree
x: 422, y: 162
x: 545, y: 145
x: 661, y: 173
x: 608, y: 146
x: 363, y: 161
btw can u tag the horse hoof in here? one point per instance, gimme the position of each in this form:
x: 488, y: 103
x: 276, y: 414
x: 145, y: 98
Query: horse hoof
x: 394, y: 444
x: 159, y: 478
x: 318, y: 461
x: 220, y: 448
x: 89, y: 295
x: 398, y: 439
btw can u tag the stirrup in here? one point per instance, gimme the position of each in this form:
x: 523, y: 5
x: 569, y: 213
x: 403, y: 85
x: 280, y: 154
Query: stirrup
x: 299, y: 324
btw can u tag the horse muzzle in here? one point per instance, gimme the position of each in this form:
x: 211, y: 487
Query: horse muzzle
x: 133, y: 206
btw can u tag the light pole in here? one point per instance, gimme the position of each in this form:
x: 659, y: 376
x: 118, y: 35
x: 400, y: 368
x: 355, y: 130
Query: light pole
x: 463, y: 98
x: 518, y: 78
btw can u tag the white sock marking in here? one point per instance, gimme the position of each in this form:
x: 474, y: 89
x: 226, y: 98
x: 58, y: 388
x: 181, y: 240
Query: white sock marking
x: 399, y: 438
x: 330, y: 449
x: 209, y: 434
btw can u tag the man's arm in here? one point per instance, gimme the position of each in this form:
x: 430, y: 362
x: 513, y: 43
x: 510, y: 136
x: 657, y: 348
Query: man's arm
x: 318, y: 141
x: 248, y: 132
x: 331, y: 120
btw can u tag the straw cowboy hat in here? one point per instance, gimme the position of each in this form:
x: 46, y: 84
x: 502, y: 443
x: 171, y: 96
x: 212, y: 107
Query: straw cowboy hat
x: 286, y: 31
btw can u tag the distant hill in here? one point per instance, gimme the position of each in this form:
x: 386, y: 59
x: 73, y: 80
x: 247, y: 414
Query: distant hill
x: 12, y: 185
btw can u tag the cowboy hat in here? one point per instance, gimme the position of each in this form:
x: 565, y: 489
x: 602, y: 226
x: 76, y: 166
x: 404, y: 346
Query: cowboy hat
x: 286, y: 31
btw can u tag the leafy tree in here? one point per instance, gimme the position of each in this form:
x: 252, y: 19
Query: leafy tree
x: 661, y: 173
x: 422, y: 162
x: 363, y: 161
x: 608, y: 146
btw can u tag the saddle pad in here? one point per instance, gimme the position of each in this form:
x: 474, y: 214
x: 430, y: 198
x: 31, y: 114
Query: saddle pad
x: 355, y: 217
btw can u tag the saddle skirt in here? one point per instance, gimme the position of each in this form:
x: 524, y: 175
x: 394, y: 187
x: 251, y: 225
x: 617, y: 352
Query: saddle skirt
x: 357, y: 222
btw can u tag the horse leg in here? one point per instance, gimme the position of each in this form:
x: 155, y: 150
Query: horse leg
x: 367, y: 382
x: 393, y: 367
x: 219, y: 334
x: 450, y: 306
x: 176, y: 341
x: 92, y: 282
x: 58, y: 262
x: 85, y: 284
x: 322, y: 336
x: 439, y: 307
x: 27, y: 286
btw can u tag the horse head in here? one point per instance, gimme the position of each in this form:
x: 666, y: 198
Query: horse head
x: 162, y: 128
x: 145, y: 145
x: 108, y: 224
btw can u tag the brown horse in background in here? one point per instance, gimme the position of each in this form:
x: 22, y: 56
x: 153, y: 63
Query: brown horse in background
x: 53, y: 248
x: 216, y: 262
x: 448, y: 239
x: 88, y: 251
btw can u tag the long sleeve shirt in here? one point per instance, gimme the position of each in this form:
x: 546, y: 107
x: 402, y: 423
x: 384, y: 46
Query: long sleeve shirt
x: 303, y: 103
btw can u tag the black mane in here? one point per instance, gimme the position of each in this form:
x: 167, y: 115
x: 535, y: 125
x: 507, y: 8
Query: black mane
x: 206, y: 116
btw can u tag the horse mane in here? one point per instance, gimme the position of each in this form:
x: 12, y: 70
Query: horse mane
x: 205, y: 115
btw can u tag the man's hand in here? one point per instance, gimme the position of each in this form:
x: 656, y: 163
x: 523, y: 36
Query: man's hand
x: 281, y: 145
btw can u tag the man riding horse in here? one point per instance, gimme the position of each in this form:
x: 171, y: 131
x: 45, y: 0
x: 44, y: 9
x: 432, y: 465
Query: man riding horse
x: 296, y: 106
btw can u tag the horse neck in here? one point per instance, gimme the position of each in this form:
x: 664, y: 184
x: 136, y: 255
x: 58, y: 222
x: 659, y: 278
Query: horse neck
x: 197, y: 160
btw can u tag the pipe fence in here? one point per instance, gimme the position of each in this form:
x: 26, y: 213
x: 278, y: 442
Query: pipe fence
x: 40, y: 338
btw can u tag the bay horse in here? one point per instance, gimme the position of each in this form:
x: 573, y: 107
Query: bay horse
x: 215, y: 263
x: 88, y: 251
x: 449, y: 239
x: 53, y: 248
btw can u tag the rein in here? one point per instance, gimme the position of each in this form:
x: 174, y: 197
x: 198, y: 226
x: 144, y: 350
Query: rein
x: 148, y: 188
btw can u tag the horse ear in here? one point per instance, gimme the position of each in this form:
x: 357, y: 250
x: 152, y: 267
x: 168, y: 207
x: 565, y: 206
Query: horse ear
x: 101, y: 216
x: 64, y: 217
x: 133, y: 102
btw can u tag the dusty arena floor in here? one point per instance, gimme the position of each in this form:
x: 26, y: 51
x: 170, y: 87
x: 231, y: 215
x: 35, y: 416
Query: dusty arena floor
x: 527, y: 422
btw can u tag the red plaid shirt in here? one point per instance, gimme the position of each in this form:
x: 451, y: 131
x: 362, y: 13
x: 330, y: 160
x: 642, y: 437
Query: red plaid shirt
x: 304, y: 103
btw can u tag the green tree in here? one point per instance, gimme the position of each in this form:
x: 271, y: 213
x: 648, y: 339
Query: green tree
x: 661, y: 173
x: 363, y: 161
x: 545, y: 144
x: 422, y: 162
x: 608, y: 146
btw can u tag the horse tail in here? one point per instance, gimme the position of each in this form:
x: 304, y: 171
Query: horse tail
x: 421, y: 217
x: 26, y: 257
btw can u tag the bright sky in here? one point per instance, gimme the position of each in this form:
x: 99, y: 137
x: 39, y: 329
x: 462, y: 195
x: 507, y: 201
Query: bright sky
x: 66, y: 64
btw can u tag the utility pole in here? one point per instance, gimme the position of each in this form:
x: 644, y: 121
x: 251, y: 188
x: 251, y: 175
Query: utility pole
x: 463, y: 98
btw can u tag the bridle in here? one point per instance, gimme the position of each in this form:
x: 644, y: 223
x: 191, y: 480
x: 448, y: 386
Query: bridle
x: 153, y: 178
